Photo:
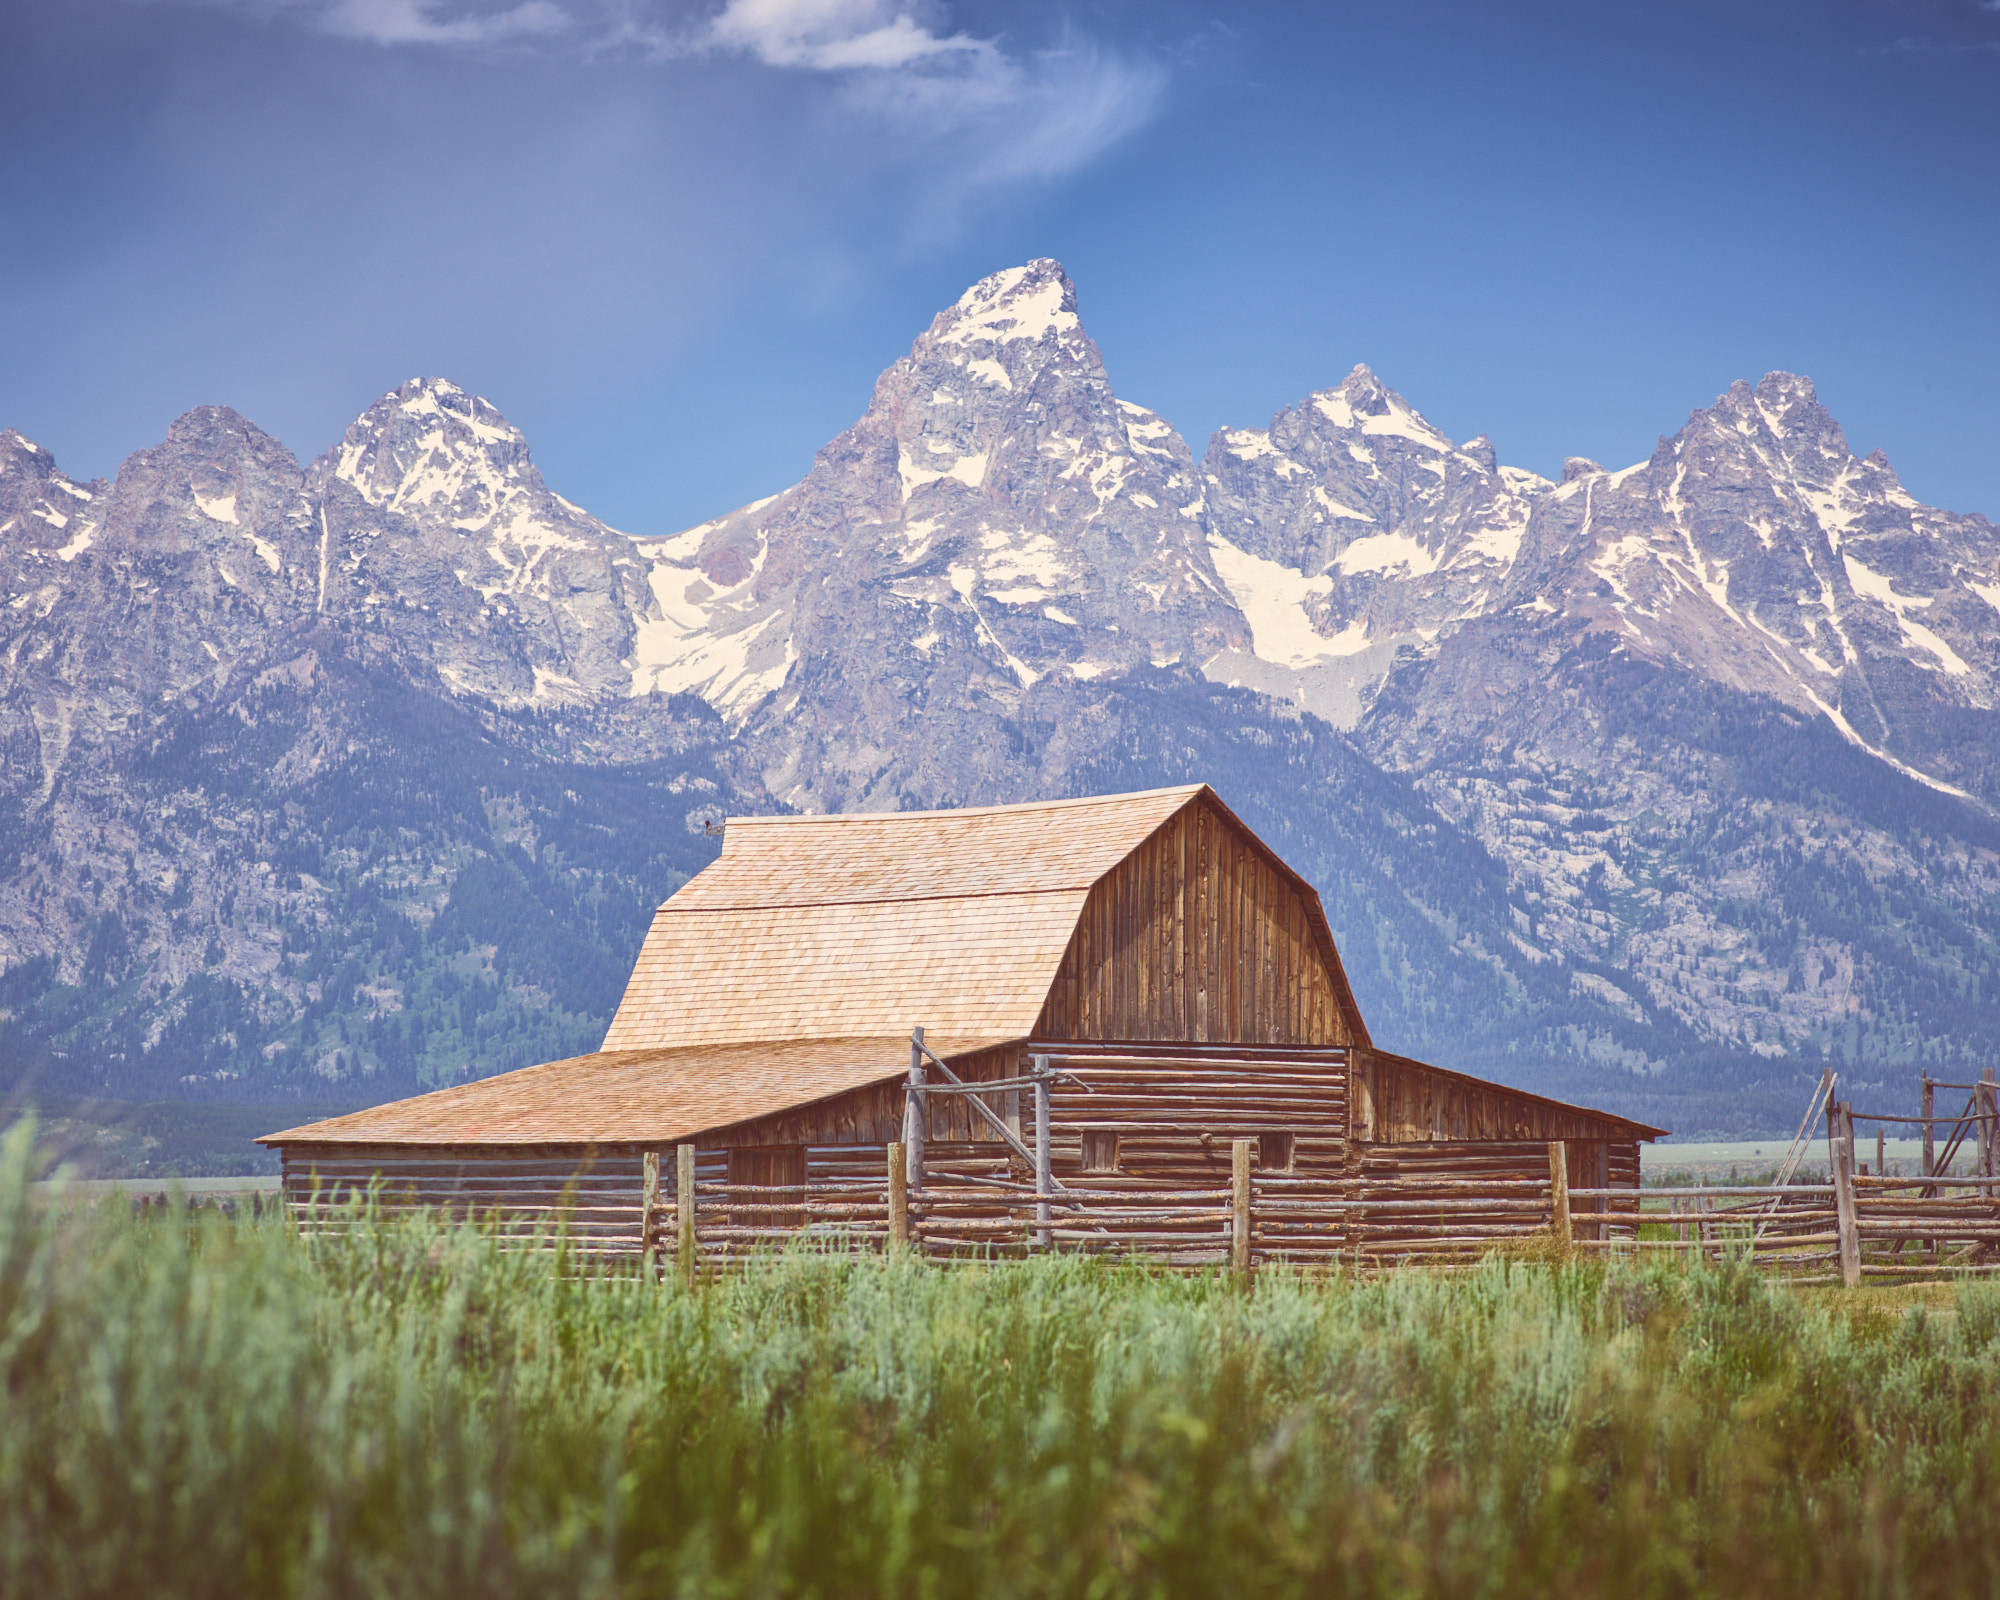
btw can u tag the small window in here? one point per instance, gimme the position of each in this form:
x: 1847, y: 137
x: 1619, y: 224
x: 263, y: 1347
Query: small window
x: 1274, y: 1152
x: 1100, y: 1151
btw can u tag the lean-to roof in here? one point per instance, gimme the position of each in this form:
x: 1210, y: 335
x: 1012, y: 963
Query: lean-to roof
x: 630, y: 1096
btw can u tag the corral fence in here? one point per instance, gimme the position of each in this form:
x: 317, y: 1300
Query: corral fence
x: 968, y: 1202
x: 693, y: 1220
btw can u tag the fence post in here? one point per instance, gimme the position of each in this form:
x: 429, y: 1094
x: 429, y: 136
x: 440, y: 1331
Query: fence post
x: 684, y: 1215
x: 1044, y: 1169
x: 899, y: 1198
x: 1930, y: 1132
x: 1848, y: 1224
x: 916, y: 1115
x: 1989, y: 1103
x: 1239, y: 1207
x: 1559, y: 1218
x: 649, y: 1214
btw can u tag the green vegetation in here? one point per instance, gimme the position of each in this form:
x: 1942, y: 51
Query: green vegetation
x: 194, y: 1406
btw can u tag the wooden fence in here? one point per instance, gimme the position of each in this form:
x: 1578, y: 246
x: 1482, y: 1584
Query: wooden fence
x: 1855, y: 1227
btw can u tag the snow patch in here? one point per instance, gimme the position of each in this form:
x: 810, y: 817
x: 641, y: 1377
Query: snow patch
x: 71, y: 489
x: 1334, y: 407
x: 1336, y: 508
x: 1383, y: 552
x: 1273, y: 599
x: 998, y: 310
x: 968, y: 470
x: 987, y: 370
x: 1879, y: 588
x: 79, y: 542
x: 963, y: 583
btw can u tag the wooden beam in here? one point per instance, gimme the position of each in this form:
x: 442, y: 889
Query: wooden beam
x: 649, y: 1214
x: 899, y: 1198
x: 1239, y: 1207
x: 684, y: 1252
x: 1847, y: 1223
x: 916, y: 1115
x: 1044, y: 1175
x: 1559, y: 1218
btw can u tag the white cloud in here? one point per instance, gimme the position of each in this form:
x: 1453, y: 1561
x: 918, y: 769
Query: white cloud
x: 835, y: 35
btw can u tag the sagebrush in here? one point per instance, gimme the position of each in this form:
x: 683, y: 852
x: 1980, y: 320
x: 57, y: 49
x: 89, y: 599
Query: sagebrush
x: 198, y: 1406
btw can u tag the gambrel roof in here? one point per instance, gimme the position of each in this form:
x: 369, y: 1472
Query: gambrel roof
x: 818, y: 927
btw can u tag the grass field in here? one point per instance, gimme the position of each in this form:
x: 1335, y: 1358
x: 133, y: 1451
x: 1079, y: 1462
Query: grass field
x: 194, y: 1406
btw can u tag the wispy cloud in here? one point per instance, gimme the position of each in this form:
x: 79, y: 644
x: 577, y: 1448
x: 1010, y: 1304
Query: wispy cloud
x: 980, y: 109
x: 1924, y: 45
x: 464, y: 24
x: 415, y: 22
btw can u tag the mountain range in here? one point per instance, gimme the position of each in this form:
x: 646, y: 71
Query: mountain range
x: 1660, y: 787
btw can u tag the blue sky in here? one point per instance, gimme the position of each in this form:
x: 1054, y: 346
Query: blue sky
x: 676, y: 242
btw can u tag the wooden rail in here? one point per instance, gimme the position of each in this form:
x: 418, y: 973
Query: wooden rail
x: 1859, y: 1225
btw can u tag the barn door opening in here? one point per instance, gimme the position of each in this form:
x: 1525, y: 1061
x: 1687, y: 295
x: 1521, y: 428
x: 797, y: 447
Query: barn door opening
x: 769, y: 1166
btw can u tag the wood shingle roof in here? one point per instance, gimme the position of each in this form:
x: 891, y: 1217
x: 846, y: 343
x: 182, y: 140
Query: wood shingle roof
x: 628, y: 1096
x: 848, y: 926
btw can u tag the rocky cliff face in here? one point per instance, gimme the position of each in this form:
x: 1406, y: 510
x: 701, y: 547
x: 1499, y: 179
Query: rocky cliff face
x: 365, y: 774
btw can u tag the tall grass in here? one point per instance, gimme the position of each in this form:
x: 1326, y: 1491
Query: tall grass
x: 198, y: 1407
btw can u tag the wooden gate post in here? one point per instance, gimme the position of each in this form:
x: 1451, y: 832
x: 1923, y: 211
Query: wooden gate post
x: 1848, y: 1224
x: 1559, y: 1218
x: 1930, y: 1131
x: 916, y: 1115
x: 1044, y: 1166
x: 649, y: 1214
x: 899, y: 1198
x: 1239, y: 1207
x: 684, y: 1253
x: 1988, y: 1104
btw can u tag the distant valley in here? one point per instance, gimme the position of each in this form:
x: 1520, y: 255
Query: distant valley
x: 1658, y: 788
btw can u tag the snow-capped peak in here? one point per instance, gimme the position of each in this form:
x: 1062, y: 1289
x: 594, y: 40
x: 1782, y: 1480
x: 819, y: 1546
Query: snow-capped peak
x: 1365, y: 402
x: 1025, y: 302
x: 431, y: 445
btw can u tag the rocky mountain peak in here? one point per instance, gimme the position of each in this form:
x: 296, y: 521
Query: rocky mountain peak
x: 430, y: 447
x: 1033, y: 304
x: 998, y: 518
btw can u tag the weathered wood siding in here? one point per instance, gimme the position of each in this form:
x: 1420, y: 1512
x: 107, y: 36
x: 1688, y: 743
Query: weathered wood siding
x: 1399, y: 1101
x: 1198, y: 935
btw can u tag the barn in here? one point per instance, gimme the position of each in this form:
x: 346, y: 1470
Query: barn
x: 1056, y: 1022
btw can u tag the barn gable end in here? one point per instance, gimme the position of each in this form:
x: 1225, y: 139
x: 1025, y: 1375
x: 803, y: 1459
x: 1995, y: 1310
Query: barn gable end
x: 1202, y: 934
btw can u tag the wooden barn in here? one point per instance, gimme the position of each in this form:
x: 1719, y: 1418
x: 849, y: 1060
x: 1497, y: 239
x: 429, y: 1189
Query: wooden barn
x: 1112, y: 997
